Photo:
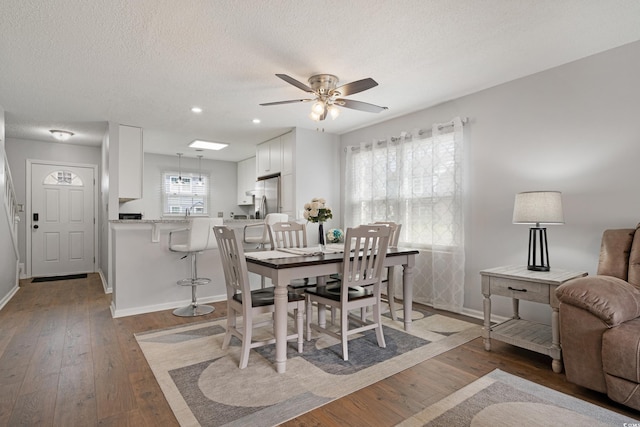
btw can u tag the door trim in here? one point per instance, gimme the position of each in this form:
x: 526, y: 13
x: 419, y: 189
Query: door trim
x: 28, y: 218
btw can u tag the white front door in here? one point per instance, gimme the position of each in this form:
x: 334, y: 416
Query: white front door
x: 62, y: 219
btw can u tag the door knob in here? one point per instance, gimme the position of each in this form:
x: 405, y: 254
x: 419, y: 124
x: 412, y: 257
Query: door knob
x: 36, y: 226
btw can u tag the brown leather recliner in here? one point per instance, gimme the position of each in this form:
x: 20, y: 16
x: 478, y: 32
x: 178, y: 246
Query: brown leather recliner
x: 600, y: 321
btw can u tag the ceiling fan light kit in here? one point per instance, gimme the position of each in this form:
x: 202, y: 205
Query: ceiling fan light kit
x: 327, y: 95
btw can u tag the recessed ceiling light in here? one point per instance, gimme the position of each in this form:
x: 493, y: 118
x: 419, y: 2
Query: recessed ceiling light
x: 256, y: 121
x: 61, y: 135
x: 196, y: 110
x: 207, y: 145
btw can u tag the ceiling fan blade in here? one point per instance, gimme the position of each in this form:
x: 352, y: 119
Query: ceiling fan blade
x: 285, y: 102
x: 359, y: 105
x: 357, y: 86
x: 295, y: 83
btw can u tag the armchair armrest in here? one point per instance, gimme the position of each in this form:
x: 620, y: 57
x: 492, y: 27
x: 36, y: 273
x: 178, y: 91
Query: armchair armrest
x: 244, y: 231
x: 179, y: 230
x: 612, y: 300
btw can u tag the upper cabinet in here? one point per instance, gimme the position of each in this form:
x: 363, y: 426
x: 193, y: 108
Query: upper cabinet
x: 130, y: 163
x: 287, y: 142
x: 246, y: 180
x: 269, y: 157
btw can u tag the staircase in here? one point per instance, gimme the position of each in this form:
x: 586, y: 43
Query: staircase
x: 9, y: 253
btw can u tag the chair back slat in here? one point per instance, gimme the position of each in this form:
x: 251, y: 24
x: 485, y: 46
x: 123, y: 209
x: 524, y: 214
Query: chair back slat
x: 234, y: 263
x: 395, y: 232
x: 289, y: 234
x: 364, y: 254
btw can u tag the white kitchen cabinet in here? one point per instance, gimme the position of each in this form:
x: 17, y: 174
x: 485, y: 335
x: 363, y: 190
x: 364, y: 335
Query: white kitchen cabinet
x: 246, y: 180
x: 286, y: 197
x: 130, y: 163
x: 269, y: 157
x: 288, y: 146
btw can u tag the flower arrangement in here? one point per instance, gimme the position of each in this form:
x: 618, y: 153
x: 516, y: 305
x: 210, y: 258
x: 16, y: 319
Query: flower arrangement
x: 335, y: 235
x: 316, y: 211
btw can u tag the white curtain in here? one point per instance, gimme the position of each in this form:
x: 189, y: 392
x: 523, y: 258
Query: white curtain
x: 416, y: 180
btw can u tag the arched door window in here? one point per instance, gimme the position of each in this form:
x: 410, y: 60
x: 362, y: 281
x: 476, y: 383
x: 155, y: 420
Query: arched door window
x: 63, y: 178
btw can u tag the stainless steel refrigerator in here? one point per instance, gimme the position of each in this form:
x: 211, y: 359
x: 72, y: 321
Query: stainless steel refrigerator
x: 267, y: 196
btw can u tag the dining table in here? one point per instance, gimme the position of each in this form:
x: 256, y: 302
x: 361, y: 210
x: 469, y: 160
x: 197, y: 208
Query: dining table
x: 282, y: 267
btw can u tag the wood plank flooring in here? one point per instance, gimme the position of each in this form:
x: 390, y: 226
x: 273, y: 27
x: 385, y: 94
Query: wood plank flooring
x: 64, y: 361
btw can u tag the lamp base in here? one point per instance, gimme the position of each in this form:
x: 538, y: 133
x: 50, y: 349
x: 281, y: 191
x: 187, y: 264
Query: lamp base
x: 538, y: 267
x: 538, y: 258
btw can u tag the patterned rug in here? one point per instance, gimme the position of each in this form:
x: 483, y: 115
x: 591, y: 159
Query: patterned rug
x: 204, y: 386
x: 501, y: 399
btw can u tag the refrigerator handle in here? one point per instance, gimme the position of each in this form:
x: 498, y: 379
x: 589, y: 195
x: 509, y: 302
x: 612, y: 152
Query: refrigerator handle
x: 263, y: 207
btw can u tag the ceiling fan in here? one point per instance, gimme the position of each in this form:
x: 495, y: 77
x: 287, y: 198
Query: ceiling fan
x: 327, y: 96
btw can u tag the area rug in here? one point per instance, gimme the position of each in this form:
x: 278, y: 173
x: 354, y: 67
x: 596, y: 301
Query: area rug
x: 204, y: 386
x: 501, y: 399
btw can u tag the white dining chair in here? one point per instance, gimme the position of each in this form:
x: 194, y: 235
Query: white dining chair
x: 199, y: 238
x: 290, y: 234
x: 248, y: 304
x: 359, y: 287
x: 390, y: 274
x: 263, y: 239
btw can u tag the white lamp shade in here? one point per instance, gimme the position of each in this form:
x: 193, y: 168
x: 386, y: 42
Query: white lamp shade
x: 538, y: 207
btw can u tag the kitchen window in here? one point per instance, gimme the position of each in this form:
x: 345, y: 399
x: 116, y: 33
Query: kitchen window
x: 186, y: 193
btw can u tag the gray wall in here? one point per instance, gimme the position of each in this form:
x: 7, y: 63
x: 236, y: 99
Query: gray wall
x: 575, y: 129
x: 19, y: 150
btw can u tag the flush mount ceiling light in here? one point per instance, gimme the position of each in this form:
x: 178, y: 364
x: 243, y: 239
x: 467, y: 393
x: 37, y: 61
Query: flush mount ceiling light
x: 61, y: 135
x: 196, y: 110
x: 208, y: 145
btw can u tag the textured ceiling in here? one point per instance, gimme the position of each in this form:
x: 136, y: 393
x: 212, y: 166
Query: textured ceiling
x: 77, y: 64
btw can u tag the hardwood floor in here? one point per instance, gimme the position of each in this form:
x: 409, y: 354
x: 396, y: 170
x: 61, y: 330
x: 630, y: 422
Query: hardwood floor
x: 64, y: 361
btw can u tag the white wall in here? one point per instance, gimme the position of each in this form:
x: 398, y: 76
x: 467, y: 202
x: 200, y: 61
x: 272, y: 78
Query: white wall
x: 222, y: 175
x: 317, y: 168
x: 575, y: 129
x: 19, y: 150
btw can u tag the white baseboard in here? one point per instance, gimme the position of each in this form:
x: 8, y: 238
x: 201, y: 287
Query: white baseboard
x: 160, y: 307
x: 480, y: 315
x: 8, y: 297
x: 105, y: 285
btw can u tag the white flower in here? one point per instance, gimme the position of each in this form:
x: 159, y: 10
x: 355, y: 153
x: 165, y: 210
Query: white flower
x: 316, y: 211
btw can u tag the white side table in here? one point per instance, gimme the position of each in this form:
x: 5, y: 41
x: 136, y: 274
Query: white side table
x: 518, y: 283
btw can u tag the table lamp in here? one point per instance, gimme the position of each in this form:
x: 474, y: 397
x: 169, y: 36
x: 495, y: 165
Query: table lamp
x: 538, y: 207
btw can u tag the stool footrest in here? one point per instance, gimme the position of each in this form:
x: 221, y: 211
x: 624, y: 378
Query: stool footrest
x: 193, y: 310
x: 194, y: 282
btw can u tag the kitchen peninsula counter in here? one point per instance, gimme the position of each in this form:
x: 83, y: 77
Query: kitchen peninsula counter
x: 144, y: 271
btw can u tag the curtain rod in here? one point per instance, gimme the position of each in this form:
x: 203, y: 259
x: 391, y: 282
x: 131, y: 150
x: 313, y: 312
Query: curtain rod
x: 423, y: 131
x: 464, y: 121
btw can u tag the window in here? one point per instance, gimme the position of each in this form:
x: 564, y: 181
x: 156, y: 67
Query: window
x: 415, y: 182
x: 63, y: 178
x: 187, y: 191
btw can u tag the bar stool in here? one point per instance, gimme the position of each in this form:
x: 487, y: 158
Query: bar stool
x: 200, y: 238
